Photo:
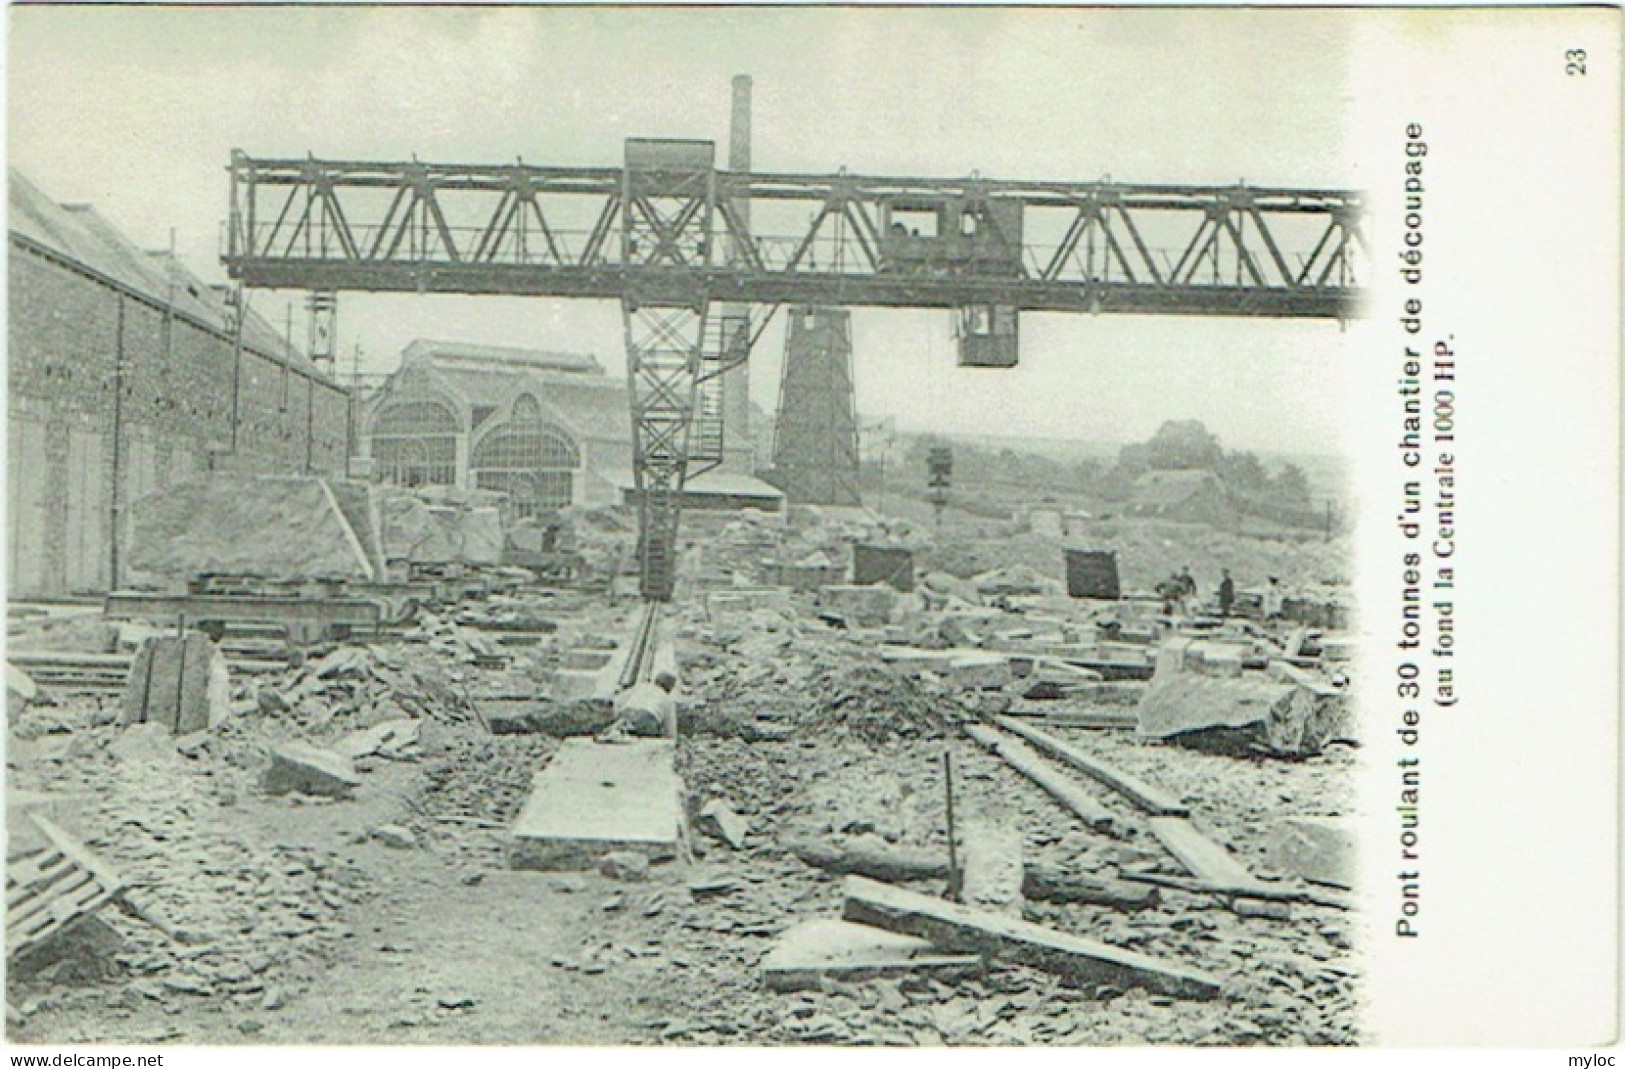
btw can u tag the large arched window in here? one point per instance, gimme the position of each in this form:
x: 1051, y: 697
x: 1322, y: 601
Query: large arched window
x: 533, y: 462
x: 414, y: 443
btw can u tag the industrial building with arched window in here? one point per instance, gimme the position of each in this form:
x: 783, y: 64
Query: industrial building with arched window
x: 550, y: 430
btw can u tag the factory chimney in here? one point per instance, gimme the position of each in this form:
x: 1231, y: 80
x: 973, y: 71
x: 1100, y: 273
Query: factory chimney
x: 736, y: 383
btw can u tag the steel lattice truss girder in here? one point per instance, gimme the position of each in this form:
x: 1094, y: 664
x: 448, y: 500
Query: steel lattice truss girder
x: 586, y: 232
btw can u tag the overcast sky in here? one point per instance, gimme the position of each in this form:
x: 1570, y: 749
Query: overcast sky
x: 136, y: 110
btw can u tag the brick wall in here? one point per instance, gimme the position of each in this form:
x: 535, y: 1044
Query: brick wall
x: 64, y: 336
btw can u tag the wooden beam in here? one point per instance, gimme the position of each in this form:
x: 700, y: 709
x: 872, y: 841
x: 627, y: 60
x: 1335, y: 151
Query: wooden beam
x: 869, y: 855
x: 1060, y: 786
x: 1201, y: 856
x: 1261, y: 892
x: 1048, y: 884
x: 954, y: 927
x: 1153, y: 800
x: 1105, y: 719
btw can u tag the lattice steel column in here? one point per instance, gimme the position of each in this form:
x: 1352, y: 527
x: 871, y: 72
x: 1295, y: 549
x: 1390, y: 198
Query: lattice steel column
x: 663, y: 346
x: 668, y: 196
x: 815, y: 448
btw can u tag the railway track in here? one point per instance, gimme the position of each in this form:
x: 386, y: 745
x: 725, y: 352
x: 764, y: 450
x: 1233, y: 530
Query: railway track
x: 640, y: 661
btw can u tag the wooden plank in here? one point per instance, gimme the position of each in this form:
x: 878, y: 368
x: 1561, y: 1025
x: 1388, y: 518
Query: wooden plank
x: 58, y: 918
x: 1261, y: 892
x: 43, y: 897
x: 37, y: 882
x: 1046, y: 883
x: 42, y: 900
x: 1060, y: 786
x: 960, y: 928
x: 869, y: 855
x: 1123, y: 720
x: 1153, y: 800
x: 1204, y: 858
x: 78, y: 854
x: 30, y: 869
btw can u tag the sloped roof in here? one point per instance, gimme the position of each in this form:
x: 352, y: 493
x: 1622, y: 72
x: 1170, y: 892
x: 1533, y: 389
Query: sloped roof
x: 83, y: 235
x: 727, y: 483
x: 470, y: 356
x: 596, y: 407
x: 592, y: 406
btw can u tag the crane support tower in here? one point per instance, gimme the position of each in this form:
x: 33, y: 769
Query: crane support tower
x: 690, y: 251
x: 815, y: 442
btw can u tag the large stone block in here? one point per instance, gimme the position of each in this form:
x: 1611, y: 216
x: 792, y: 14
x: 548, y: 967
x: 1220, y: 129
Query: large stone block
x: 1320, y: 849
x: 179, y: 681
x: 298, y: 767
x: 865, y: 606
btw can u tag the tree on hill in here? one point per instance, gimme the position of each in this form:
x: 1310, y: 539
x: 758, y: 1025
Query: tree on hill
x: 1291, y: 485
x: 1183, y: 445
x: 1242, y: 472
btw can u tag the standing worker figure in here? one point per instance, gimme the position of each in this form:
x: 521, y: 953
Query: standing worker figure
x: 1169, y: 590
x: 1274, y: 599
x: 1187, y: 591
x: 1227, y: 594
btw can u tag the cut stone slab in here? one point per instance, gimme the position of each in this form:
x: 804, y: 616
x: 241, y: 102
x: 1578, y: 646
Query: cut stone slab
x: 478, y: 536
x: 840, y: 950
x: 1251, y: 713
x: 718, y: 820
x: 275, y: 527
x: 179, y: 681
x: 395, y: 836
x: 721, y: 605
x: 979, y: 671
x: 387, y: 738
x: 865, y: 606
x: 990, y: 864
x: 298, y: 767
x: 1320, y: 849
x: 954, y: 927
x: 20, y: 689
x: 648, y: 711
x: 569, y: 684
x: 593, y: 798
x: 625, y: 865
x: 526, y: 716
x: 406, y: 529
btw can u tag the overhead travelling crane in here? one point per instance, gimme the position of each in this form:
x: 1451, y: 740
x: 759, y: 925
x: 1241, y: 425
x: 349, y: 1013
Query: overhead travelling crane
x: 688, y: 249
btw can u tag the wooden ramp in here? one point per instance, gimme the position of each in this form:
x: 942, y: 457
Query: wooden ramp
x: 595, y: 797
x: 49, y: 891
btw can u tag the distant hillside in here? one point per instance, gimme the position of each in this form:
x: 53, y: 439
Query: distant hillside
x: 1328, y: 473
x: 1064, y: 450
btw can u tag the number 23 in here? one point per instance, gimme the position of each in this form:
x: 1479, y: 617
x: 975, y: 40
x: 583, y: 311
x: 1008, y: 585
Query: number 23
x: 1576, y: 62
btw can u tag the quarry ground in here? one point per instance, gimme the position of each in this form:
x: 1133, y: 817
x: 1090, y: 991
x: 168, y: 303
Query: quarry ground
x: 289, y: 920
